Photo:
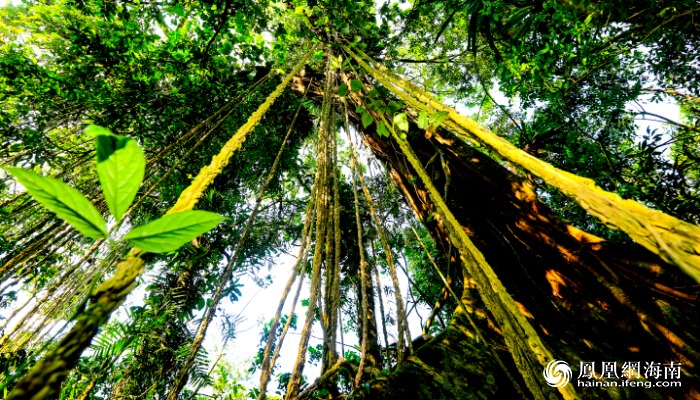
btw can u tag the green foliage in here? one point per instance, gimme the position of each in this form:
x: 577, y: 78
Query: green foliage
x: 342, y: 89
x: 346, y: 376
x: 356, y: 85
x: 315, y: 354
x: 401, y: 122
x: 227, y: 382
x: 170, y: 232
x: 153, y: 71
x: 423, y: 120
x: 367, y: 119
x: 382, y: 129
x: 265, y: 334
x: 428, y: 286
x: 68, y: 203
x: 120, y: 169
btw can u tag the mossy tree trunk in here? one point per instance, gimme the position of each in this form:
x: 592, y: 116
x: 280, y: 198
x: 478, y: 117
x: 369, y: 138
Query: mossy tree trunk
x: 589, y: 300
x: 374, y: 358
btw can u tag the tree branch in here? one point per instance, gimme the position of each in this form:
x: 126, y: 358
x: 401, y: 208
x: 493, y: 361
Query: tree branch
x: 224, y: 18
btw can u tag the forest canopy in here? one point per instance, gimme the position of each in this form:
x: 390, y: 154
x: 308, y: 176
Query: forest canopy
x: 529, y: 172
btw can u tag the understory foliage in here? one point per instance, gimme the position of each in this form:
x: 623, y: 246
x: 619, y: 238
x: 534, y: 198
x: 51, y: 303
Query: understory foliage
x: 439, y: 256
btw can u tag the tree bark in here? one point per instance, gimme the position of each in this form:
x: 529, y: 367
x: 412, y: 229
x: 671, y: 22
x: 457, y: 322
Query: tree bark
x: 374, y: 357
x: 590, y: 300
x: 452, y: 366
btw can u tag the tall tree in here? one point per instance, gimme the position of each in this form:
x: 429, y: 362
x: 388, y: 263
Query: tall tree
x: 527, y: 261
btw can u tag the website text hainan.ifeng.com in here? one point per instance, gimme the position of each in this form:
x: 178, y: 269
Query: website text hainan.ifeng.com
x: 628, y: 383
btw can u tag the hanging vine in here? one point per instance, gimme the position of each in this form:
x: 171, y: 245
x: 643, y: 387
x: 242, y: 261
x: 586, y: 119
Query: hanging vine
x: 674, y: 240
x: 46, y: 377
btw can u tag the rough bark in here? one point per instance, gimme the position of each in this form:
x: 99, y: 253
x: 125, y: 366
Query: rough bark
x: 374, y: 358
x: 590, y: 300
x: 165, y: 341
x: 452, y: 366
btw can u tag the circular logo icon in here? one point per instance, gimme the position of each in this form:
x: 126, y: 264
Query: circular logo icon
x: 557, y: 373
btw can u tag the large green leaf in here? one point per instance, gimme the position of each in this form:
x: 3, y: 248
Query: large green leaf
x: 95, y: 131
x: 68, y: 203
x: 356, y: 85
x: 367, y: 119
x: 342, y: 89
x: 107, y: 142
x: 120, y: 169
x: 382, y: 129
x: 170, y: 232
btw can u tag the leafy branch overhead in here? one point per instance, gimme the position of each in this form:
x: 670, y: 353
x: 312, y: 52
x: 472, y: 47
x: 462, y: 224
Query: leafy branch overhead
x: 120, y: 169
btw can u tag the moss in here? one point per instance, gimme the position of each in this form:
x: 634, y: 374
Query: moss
x: 451, y: 366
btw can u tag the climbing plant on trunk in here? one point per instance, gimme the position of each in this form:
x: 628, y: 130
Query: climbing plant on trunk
x: 519, y: 200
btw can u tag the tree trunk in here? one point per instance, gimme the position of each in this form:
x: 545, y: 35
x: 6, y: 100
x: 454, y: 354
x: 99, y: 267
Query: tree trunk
x: 589, y: 300
x: 374, y: 358
x: 452, y: 366
x: 165, y: 341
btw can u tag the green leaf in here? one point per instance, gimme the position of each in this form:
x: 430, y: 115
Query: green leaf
x: 108, y: 144
x: 401, y: 121
x: 395, y: 106
x: 382, y: 130
x: 179, y: 10
x: 170, y: 232
x: 94, y: 131
x: 378, y: 106
x: 226, y: 48
x: 120, y: 171
x: 423, y: 120
x: 342, y: 89
x: 356, y: 85
x: 437, y: 118
x: 367, y: 119
x: 65, y: 201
